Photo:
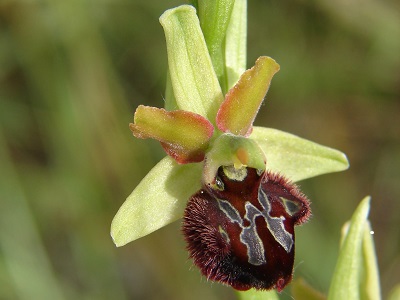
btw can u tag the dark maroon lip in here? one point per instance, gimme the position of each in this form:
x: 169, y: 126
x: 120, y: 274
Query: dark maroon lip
x: 241, y: 233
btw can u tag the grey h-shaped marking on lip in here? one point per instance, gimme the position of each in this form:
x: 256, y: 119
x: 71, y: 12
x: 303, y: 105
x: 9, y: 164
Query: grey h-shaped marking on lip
x: 275, y: 224
x: 249, y: 235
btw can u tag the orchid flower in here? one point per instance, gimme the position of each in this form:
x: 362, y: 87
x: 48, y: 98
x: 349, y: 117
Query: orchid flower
x: 208, y: 134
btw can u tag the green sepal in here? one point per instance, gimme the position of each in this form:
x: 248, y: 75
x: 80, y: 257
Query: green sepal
x: 229, y: 149
x: 195, y: 84
x: 240, y: 107
x: 158, y: 200
x: 295, y: 157
x: 345, y: 283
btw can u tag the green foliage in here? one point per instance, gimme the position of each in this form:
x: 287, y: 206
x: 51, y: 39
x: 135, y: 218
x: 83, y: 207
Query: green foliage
x: 301, y: 290
x: 352, y: 268
x: 254, y: 295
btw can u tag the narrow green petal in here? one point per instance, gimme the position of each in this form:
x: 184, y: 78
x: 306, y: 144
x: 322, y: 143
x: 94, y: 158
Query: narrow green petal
x: 295, y: 157
x: 183, y: 134
x: 237, y: 113
x: 345, y: 283
x: 214, y: 18
x: 196, y: 87
x: 369, y: 285
x: 236, y: 43
x: 258, y: 295
x: 159, y: 199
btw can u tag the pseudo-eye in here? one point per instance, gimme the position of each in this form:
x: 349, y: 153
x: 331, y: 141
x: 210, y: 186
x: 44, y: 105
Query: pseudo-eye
x: 240, y: 228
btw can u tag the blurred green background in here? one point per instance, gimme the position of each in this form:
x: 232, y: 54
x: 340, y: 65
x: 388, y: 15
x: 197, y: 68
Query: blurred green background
x: 73, y: 72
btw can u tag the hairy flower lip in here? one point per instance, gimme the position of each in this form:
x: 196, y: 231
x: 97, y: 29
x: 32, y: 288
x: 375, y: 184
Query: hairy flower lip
x: 241, y: 232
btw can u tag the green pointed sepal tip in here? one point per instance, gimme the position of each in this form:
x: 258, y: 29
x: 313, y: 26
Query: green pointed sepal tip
x: 158, y: 200
x: 295, y: 157
x: 194, y: 82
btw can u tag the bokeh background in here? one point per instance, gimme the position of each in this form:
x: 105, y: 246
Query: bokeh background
x: 73, y: 72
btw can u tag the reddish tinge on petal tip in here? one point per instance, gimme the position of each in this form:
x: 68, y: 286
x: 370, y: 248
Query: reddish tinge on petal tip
x: 184, y: 135
x: 181, y: 156
x: 239, y: 109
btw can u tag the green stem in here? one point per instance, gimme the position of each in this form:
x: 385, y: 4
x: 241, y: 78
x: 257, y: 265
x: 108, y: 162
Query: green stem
x: 236, y: 43
x: 214, y: 21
